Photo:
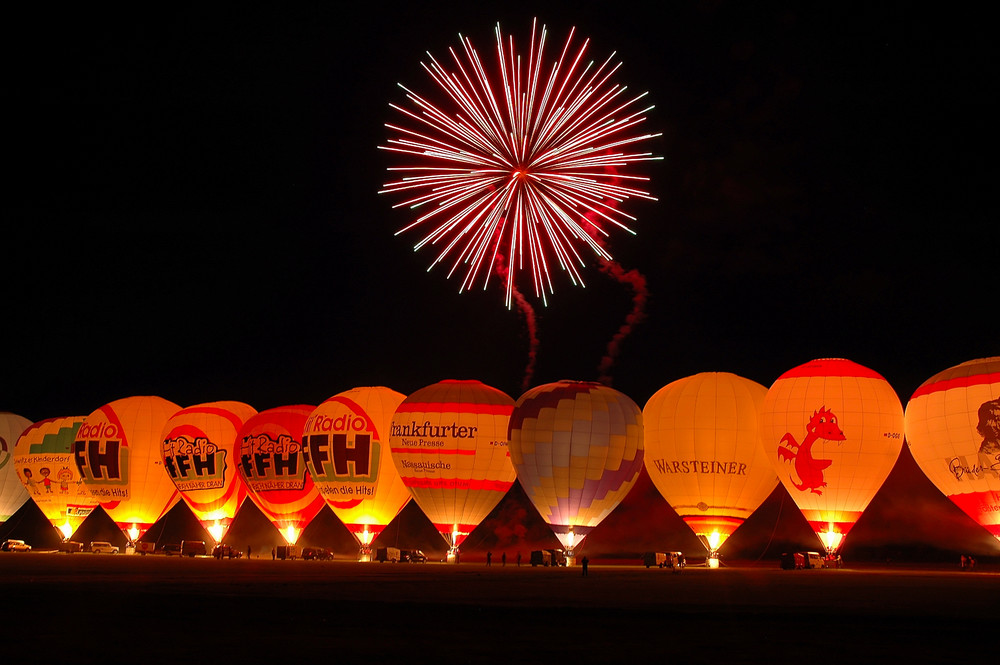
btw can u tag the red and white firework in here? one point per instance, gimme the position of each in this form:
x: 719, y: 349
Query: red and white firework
x: 526, y: 160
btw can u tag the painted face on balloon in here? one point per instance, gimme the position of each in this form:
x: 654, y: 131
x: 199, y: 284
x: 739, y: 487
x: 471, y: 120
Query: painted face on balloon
x: 989, y: 427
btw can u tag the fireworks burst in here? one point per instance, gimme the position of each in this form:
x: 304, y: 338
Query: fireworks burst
x: 522, y: 164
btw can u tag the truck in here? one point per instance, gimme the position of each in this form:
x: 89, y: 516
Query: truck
x: 650, y: 559
x: 288, y: 552
x: 672, y: 560
x: 552, y: 558
x: 412, y: 556
x: 387, y: 554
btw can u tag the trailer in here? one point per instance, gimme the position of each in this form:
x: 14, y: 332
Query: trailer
x: 142, y: 547
x: 387, y: 554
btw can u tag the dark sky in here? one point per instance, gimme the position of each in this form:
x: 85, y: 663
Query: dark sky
x: 191, y: 204
x: 193, y: 208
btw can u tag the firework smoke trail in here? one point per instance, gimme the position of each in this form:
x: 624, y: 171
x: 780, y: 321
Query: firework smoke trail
x: 515, y: 158
x: 640, y: 294
x: 528, y: 312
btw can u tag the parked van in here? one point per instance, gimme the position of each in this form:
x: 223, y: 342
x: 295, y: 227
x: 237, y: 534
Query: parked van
x: 814, y: 560
x: 103, y: 547
x: 193, y: 548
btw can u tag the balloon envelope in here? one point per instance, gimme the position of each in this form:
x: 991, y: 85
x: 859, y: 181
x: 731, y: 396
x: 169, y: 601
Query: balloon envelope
x: 577, y: 448
x: 198, y: 450
x: 953, y: 430
x: 346, y: 446
x: 833, y: 430
x: 44, y: 460
x: 703, y: 454
x: 12, y: 492
x: 271, y: 464
x: 449, y: 445
x: 117, y: 451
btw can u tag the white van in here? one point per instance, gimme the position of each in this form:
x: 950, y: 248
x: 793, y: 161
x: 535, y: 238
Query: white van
x: 103, y: 547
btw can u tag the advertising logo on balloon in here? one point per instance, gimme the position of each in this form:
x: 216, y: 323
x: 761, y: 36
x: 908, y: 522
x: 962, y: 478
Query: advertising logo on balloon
x: 272, y: 463
x: 102, y: 459
x: 986, y: 461
x: 704, y: 467
x: 194, y: 463
x: 822, y: 426
x: 344, y: 448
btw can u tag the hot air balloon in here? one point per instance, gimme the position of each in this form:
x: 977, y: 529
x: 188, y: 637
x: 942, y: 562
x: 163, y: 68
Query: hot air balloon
x: 833, y: 430
x: 953, y: 430
x: 577, y: 448
x: 271, y: 464
x: 117, y: 451
x: 449, y: 445
x: 44, y: 461
x: 702, y: 452
x: 12, y: 493
x: 346, y: 449
x: 198, y: 449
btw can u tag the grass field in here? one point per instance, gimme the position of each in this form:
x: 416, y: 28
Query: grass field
x: 103, y: 608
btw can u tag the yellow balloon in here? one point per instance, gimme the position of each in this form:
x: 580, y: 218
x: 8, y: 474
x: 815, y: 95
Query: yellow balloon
x: 703, y: 452
x: 833, y: 430
x: 117, y: 451
x: 449, y: 445
x: 346, y: 449
x: 953, y: 430
x: 44, y: 461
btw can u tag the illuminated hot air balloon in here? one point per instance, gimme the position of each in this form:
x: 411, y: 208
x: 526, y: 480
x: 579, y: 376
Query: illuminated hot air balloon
x: 117, y: 451
x: 577, y: 448
x: 702, y: 452
x: 198, y: 449
x: 44, y: 461
x: 449, y: 445
x: 346, y: 449
x: 953, y: 430
x: 833, y: 430
x: 271, y: 464
x: 12, y: 493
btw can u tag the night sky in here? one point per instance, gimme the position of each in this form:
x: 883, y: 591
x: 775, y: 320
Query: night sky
x: 191, y: 204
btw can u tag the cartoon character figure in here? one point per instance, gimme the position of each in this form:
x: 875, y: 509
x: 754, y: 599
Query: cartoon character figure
x: 30, y: 481
x: 989, y: 428
x: 64, y: 475
x: 822, y: 425
x: 46, y: 481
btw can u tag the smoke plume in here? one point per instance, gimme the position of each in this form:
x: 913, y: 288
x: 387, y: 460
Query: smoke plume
x: 528, y: 313
x: 637, y: 282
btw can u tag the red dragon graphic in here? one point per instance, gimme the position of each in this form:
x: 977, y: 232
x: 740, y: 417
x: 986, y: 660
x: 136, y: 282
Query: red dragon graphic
x: 822, y: 425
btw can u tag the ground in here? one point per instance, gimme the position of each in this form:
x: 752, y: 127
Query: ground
x: 99, y: 607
